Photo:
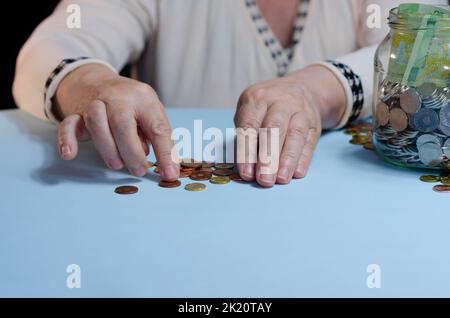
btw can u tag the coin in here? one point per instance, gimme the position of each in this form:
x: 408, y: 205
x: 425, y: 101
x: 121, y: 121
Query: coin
x: 223, y: 172
x: 446, y: 148
x: 426, y: 139
x: 207, y: 165
x: 185, y: 174
x: 444, y: 115
x: 430, y: 179
x: 410, y: 101
x: 382, y: 114
x: 426, y: 120
x: 445, y: 180
x: 224, y: 166
x: 369, y: 146
x: 150, y: 164
x: 200, y: 176
x: 126, y: 190
x: 169, y: 184
x: 156, y: 170
x: 195, y: 187
x: 430, y: 154
x: 444, y: 129
x: 236, y: 177
x: 426, y: 90
x: 190, y: 163
x: 220, y: 180
x: 398, y: 119
x: 442, y: 188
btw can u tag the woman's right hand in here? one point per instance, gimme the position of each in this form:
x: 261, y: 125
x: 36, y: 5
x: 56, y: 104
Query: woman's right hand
x: 122, y: 116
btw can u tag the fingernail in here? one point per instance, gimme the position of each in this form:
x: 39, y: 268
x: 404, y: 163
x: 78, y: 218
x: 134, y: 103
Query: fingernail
x: 267, y: 178
x: 115, y: 164
x: 283, y: 174
x: 249, y: 171
x: 169, y: 173
x: 140, y: 171
x: 65, y: 150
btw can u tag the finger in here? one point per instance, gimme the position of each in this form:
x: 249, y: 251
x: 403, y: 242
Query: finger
x: 307, y: 153
x: 96, y: 121
x: 293, y: 147
x: 144, y: 142
x: 70, y: 130
x: 155, y: 125
x: 248, y: 119
x: 124, y: 130
x: 271, y: 139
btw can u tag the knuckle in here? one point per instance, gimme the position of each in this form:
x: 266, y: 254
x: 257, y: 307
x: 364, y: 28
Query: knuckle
x: 120, y: 120
x: 145, y: 90
x: 93, y: 114
x: 254, y: 93
x: 297, y: 131
x: 160, y: 128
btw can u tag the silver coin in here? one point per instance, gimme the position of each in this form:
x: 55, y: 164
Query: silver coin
x: 446, y: 148
x: 444, y: 129
x: 444, y: 115
x: 426, y: 90
x: 426, y: 120
x: 424, y: 139
x: 430, y: 154
x: 410, y: 101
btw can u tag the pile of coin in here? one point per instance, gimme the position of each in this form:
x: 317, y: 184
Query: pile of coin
x: 412, y: 125
x: 361, y: 134
x: 214, y: 173
x: 443, y: 179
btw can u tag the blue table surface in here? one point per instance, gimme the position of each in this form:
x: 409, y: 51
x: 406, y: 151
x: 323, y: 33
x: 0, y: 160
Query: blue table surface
x: 312, y: 238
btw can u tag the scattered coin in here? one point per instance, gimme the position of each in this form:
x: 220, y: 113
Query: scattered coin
x: 220, y: 180
x: 430, y: 179
x: 207, y: 165
x: 369, y: 146
x: 157, y: 170
x: 190, y: 163
x: 224, y: 166
x: 185, y: 174
x: 382, y: 114
x: 170, y: 184
x: 398, y: 119
x: 223, y: 172
x: 126, y: 190
x: 442, y: 188
x: 410, y: 101
x: 150, y: 164
x: 200, y: 176
x: 445, y: 180
x: 236, y: 177
x: 195, y: 187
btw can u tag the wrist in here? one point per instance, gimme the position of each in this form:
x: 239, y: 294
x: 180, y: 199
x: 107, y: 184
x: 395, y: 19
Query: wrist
x: 77, y: 86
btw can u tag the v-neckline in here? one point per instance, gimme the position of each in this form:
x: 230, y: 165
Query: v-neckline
x: 281, y: 56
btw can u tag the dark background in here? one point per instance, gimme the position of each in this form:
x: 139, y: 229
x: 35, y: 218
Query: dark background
x: 24, y: 17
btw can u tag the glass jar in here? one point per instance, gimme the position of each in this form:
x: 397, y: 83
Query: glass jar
x: 411, y: 108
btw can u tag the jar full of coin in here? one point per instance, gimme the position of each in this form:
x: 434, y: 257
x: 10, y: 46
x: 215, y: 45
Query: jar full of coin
x: 411, y: 106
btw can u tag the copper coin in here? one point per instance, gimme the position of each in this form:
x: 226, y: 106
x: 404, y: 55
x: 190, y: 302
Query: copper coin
x: 442, y: 188
x: 150, y: 164
x: 157, y: 171
x: 191, y: 165
x: 207, y: 165
x: 223, y: 172
x: 369, y: 146
x: 169, y: 184
x: 126, y: 190
x: 209, y: 170
x: 236, y: 177
x: 410, y: 101
x: 398, y: 119
x: 382, y: 114
x: 200, y: 176
x: 185, y: 174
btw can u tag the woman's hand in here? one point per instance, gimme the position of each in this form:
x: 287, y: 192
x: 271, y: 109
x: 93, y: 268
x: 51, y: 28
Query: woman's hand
x: 298, y: 106
x: 120, y: 115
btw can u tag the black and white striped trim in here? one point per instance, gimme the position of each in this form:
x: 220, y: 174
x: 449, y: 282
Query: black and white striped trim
x: 356, y: 87
x: 61, y: 66
x: 282, y: 57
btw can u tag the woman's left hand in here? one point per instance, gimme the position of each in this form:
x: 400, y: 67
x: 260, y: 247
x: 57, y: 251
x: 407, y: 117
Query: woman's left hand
x: 297, y: 107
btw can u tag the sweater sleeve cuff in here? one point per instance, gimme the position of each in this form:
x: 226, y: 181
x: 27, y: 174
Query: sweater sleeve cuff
x: 353, y: 90
x: 58, y: 74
